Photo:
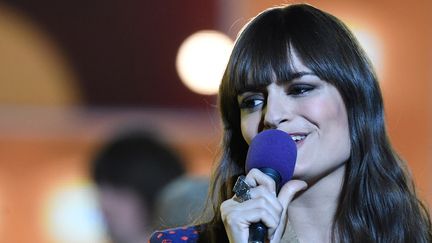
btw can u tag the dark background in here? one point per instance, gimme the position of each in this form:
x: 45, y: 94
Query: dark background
x: 123, y: 52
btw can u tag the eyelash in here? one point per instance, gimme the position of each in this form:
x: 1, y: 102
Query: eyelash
x: 299, y: 89
x: 251, y: 102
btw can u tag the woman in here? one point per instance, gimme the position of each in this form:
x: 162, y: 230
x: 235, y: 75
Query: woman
x: 300, y: 70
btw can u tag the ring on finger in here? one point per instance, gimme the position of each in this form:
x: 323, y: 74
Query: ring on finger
x: 241, y: 189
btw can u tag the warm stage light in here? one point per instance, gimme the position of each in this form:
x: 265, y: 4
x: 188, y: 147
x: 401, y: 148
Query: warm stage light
x: 369, y: 41
x: 201, y: 60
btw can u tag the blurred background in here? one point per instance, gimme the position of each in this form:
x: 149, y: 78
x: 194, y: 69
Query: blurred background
x: 72, y: 73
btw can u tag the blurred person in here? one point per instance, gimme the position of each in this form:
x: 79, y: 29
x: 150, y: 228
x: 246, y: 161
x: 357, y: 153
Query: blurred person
x: 129, y: 171
x: 300, y: 70
x: 181, y: 202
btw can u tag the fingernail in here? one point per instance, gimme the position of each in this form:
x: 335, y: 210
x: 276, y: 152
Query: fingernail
x: 304, y: 186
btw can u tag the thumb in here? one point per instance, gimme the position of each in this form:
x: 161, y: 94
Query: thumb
x: 285, y: 196
x: 289, y: 190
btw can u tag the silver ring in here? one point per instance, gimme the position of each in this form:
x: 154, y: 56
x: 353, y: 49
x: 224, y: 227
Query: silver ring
x: 241, y: 189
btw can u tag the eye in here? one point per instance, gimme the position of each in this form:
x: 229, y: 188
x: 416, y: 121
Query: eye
x: 251, y: 102
x: 299, y: 89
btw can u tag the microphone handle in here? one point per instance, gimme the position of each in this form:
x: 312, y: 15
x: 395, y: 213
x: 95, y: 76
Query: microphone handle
x: 258, y: 231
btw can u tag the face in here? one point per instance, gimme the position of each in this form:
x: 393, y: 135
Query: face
x: 123, y: 212
x: 311, y: 110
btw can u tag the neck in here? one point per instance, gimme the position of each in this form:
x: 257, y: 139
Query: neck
x: 312, y: 212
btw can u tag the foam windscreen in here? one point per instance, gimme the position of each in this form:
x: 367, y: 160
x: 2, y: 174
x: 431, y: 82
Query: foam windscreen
x: 273, y: 149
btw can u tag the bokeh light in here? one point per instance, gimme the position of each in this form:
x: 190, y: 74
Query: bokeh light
x: 72, y: 216
x: 372, y: 46
x: 201, y: 60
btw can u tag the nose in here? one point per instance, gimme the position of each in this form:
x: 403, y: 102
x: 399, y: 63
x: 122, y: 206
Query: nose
x: 275, y: 112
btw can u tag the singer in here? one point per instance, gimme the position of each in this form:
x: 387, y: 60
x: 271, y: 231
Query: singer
x: 300, y: 70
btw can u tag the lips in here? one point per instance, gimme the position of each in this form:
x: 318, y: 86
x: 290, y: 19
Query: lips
x: 298, y: 137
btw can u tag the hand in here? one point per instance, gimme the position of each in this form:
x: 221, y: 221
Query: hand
x: 263, y: 206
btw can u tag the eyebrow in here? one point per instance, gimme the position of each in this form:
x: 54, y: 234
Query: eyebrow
x: 298, y: 75
x: 262, y: 88
x: 252, y: 88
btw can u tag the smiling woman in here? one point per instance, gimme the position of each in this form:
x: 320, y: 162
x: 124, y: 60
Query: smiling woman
x: 312, y: 112
x: 300, y: 70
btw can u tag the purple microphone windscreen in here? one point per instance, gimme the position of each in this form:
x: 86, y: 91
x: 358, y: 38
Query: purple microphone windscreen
x: 273, y: 149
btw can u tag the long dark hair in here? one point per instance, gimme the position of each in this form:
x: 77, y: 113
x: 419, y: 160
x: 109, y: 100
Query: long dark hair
x: 378, y: 202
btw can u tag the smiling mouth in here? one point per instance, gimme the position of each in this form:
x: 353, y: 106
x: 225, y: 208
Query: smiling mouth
x: 298, y: 138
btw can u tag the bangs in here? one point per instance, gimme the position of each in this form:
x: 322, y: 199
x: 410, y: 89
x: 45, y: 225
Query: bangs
x: 264, y: 51
x: 263, y: 54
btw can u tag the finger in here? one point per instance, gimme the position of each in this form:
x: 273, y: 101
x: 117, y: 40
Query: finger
x: 236, y: 230
x: 237, y: 217
x: 261, y: 203
x: 286, y: 194
x: 246, y: 217
x: 289, y: 190
x: 270, y: 200
x: 230, y: 202
x: 238, y: 223
x: 261, y: 198
x: 255, y: 177
x: 266, y: 208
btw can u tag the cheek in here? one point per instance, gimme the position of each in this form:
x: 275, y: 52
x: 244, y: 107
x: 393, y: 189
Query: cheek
x: 328, y: 113
x: 337, y: 114
x: 249, y: 125
x: 330, y: 117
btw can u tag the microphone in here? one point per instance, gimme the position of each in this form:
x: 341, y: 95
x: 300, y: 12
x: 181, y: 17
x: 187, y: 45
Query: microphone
x: 274, y: 153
